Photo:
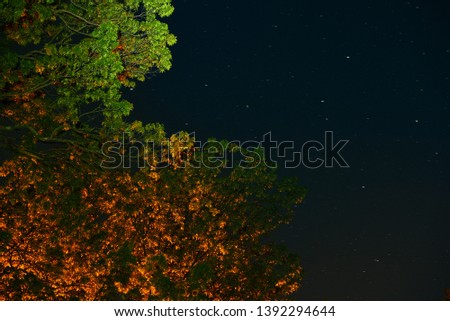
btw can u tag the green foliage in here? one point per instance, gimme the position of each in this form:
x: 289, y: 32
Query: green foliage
x: 75, y: 60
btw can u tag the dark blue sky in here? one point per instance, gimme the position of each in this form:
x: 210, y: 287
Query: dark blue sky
x: 374, y: 72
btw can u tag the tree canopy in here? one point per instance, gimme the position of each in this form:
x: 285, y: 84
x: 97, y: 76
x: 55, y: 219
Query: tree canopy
x: 72, y: 229
x: 70, y: 61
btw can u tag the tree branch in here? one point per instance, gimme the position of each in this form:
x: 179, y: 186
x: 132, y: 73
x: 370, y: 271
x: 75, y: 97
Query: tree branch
x: 76, y: 16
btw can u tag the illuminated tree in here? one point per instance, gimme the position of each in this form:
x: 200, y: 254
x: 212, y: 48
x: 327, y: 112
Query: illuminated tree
x: 74, y: 58
x: 70, y: 229
x: 186, y: 234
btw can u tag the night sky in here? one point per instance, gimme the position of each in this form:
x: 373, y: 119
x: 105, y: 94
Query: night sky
x: 374, y: 72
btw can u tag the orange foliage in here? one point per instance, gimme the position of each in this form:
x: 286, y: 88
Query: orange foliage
x: 76, y: 233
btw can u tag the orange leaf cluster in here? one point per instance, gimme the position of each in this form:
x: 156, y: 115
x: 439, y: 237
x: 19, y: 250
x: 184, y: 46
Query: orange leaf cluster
x: 76, y: 233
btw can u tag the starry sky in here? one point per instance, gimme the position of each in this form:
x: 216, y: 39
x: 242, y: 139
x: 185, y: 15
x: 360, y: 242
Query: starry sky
x: 374, y: 72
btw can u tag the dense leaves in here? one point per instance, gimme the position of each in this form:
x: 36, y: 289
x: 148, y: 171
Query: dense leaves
x: 73, y: 230
x: 73, y: 60
x: 166, y: 234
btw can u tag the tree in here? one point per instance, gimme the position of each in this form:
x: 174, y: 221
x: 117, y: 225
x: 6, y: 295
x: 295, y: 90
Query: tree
x: 166, y: 234
x: 74, y: 59
x: 71, y: 229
